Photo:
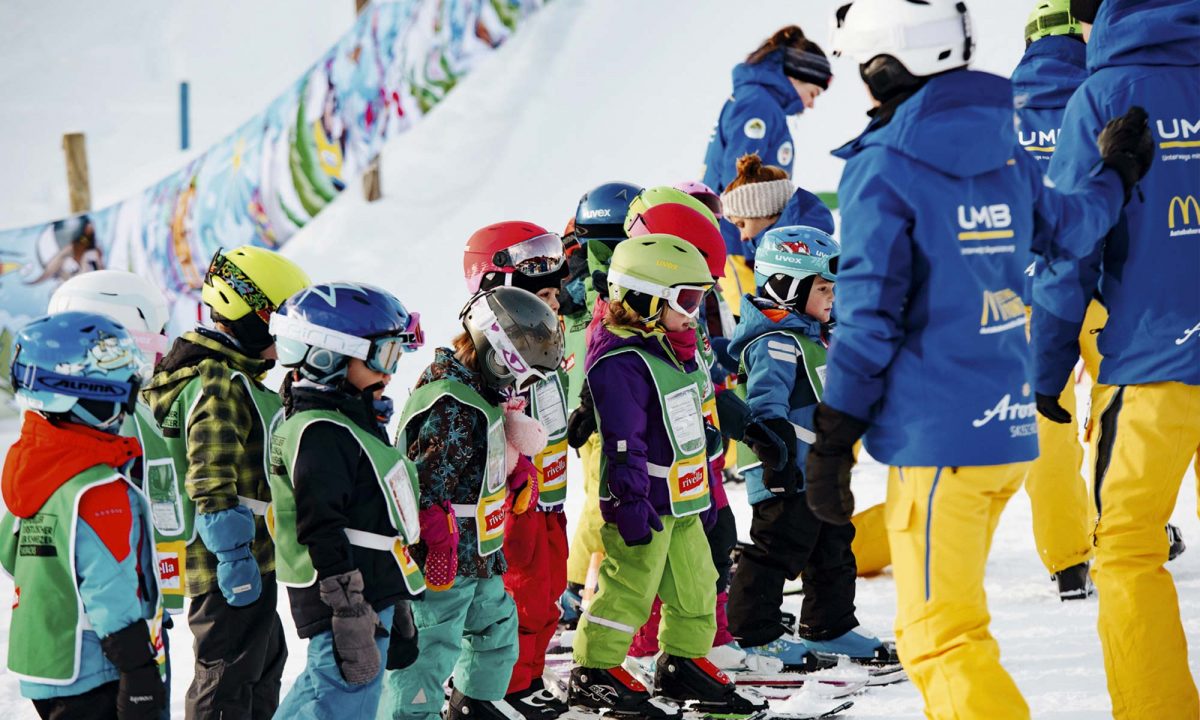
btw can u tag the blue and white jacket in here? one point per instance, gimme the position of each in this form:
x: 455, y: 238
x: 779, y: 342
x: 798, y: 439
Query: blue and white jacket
x: 1048, y: 74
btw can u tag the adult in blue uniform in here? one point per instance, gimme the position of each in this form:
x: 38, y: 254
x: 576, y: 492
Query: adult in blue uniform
x: 930, y: 364
x: 1146, y: 407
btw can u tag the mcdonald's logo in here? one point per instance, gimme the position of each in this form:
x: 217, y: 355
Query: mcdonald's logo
x: 1189, y: 208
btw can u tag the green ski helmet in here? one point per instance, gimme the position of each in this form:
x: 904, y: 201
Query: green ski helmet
x: 1051, y: 17
x: 651, y: 268
x: 661, y: 195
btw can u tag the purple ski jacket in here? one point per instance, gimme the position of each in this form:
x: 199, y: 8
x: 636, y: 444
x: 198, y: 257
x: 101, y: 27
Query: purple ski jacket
x: 627, y: 404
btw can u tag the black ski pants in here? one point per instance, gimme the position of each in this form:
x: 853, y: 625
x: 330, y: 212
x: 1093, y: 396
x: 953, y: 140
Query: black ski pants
x: 788, y: 540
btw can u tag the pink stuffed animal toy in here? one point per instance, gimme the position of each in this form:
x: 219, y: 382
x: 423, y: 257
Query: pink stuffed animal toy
x: 525, y: 437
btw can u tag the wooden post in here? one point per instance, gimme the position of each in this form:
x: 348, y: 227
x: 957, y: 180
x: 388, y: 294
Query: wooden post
x: 75, y: 150
x: 372, y: 188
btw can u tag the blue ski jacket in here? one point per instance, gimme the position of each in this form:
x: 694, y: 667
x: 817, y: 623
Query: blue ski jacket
x: 753, y: 119
x: 777, y: 384
x: 940, y: 211
x: 803, y: 208
x: 1143, y: 53
x: 1043, y: 82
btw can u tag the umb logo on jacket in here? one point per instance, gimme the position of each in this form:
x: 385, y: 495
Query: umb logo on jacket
x: 997, y: 220
x: 1002, y: 310
x: 1178, y: 133
x: 1187, y: 219
x: 1039, y: 141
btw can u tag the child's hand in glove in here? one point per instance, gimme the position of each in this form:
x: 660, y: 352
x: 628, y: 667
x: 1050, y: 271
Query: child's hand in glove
x: 355, y: 627
x: 228, y: 535
x: 439, y: 532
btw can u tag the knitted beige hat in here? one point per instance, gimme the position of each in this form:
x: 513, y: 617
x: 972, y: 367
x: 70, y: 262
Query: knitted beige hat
x: 757, y: 199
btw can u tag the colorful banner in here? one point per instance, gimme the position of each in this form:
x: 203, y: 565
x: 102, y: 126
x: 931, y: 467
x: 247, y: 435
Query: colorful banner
x: 269, y: 178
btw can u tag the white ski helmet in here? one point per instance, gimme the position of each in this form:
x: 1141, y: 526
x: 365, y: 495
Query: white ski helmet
x: 128, y: 298
x: 925, y: 37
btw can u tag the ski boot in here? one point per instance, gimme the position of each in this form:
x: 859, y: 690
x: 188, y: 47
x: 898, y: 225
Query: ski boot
x: 1175, y: 536
x: 731, y: 657
x: 536, y: 702
x: 699, y: 686
x: 569, y: 604
x: 861, y: 648
x: 795, y: 655
x: 615, y: 693
x: 461, y: 707
x: 1074, y: 583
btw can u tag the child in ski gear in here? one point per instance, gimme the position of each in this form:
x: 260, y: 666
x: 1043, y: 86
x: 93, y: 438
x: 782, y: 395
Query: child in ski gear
x: 216, y: 416
x: 759, y: 198
x: 649, y: 391
x: 1054, y: 65
x: 958, y: 442
x: 521, y: 254
x: 599, y: 226
x: 138, y: 305
x: 781, y: 341
x: 77, y: 538
x: 1146, y: 404
x: 344, y: 501
x: 453, y: 429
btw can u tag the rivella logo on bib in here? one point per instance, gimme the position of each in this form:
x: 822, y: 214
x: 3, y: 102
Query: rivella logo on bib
x: 1002, y: 310
x: 1039, y: 141
x: 989, y: 222
x: 1187, y: 220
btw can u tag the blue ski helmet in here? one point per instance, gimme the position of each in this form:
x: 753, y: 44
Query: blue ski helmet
x: 787, y: 256
x: 601, y: 212
x: 81, y: 365
x: 320, y: 328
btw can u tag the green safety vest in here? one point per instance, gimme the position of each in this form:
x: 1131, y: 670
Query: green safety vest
x: 488, y: 512
x: 681, y: 395
x: 161, y: 473
x: 397, y: 478
x: 548, y: 405
x: 180, y: 525
x: 575, y: 346
x: 48, y: 619
x: 813, y: 354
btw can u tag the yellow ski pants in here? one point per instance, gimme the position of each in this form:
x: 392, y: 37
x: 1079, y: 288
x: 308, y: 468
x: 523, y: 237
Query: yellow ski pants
x: 940, y: 525
x: 1143, y: 439
x: 586, y: 539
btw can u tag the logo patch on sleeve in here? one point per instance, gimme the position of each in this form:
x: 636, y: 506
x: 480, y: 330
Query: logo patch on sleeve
x: 784, y: 156
x: 755, y: 129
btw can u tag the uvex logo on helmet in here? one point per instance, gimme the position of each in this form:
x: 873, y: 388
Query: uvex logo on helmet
x: 597, y: 213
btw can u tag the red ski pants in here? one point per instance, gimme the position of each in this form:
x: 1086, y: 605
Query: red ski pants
x: 535, y: 545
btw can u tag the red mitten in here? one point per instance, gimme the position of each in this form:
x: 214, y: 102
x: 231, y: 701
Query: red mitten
x: 523, y: 481
x: 439, y: 532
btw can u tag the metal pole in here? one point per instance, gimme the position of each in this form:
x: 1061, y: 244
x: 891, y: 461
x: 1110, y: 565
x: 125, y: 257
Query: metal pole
x: 185, y: 139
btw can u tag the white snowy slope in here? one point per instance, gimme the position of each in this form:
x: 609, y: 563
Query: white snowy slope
x: 596, y: 90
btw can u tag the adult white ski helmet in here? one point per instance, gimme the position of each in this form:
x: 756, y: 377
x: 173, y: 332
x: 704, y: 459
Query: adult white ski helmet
x: 890, y: 39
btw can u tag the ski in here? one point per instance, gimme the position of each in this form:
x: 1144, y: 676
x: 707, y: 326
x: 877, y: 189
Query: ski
x: 782, y: 685
x: 773, y: 715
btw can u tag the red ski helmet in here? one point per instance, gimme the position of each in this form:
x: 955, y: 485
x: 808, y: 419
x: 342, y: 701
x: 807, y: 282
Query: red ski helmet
x: 684, y: 222
x: 513, y: 253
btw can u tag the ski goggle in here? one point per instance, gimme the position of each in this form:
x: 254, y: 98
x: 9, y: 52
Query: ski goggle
x: 152, y: 345
x: 684, y: 299
x: 36, y: 379
x: 381, y: 354
x: 384, y: 354
x: 539, y: 255
x: 222, y: 267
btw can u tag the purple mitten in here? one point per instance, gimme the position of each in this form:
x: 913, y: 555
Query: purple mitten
x: 636, y: 520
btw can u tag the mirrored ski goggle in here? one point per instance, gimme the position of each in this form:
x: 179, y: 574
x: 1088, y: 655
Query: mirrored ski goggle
x: 539, y: 255
x: 381, y: 354
x: 385, y: 352
x: 685, y: 299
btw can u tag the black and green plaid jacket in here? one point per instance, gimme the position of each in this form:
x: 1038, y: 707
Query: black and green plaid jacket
x: 225, y: 444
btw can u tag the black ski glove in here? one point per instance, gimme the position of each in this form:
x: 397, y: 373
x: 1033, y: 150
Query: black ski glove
x: 774, y: 441
x: 402, y: 645
x: 733, y: 414
x: 1127, y: 146
x: 714, y: 441
x: 355, y: 627
x: 1049, y: 408
x: 829, y: 463
x: 582, y: 423
x: 140, y: 693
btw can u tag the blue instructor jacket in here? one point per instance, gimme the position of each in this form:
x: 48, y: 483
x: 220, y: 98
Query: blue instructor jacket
x: 1147, y: 270
x: 1043, y: 82
x: 940, y: 211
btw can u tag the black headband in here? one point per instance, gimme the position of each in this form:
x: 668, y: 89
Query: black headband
x: 807, y: 66
x: 1085, y: 10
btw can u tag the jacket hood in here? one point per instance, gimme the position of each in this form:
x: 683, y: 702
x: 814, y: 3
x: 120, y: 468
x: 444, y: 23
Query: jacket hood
x: 182, y: 363
x: 47, y: 455
x: 804, y: 208
x: 768, y: 75
x: 1049, y: 72
x: 1145, y: 32
x: 960, y: 109
x: 314, y: 397
x: 446, y: 366
x: 760, y: 316
x: 605, y: 339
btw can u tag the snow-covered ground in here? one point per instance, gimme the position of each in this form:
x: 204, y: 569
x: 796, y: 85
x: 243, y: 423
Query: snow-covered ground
x: 587, y: 91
